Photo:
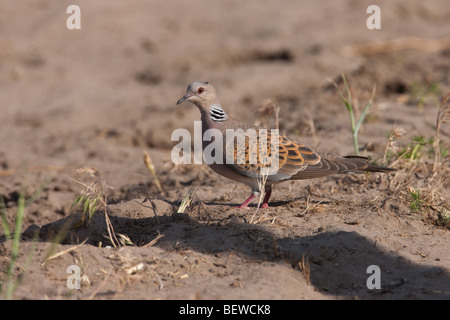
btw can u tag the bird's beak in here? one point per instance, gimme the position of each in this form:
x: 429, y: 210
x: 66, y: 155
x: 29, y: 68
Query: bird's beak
x: 184, y: 98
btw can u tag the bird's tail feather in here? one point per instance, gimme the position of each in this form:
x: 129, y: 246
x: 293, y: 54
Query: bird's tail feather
x: 339, y: 165
x: 363, y: 165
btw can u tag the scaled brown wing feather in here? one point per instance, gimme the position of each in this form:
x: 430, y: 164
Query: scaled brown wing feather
x: 295, y: 157
x: 295, y: 161
x: 292, y: 157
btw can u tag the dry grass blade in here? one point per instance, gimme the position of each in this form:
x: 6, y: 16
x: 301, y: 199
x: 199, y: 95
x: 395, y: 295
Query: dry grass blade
x: 154, y: 241
x: 390, y: 144
x: 310, y: 206
x: 125, y: 240
x: 58, y: 254
x: 100, y: 287
x: 110, y: 228
x: 187, y: 200
x: 264, y: 174
x: 265, y: 159
x: 305, y: 269
x: 93, y: 193
x: 158, y: 278
x: 261, y: 180
x: 149, y: 163
x: 268, y: 109
x: 443, y: 114
x: 312, y: 127
x: 134, y: 269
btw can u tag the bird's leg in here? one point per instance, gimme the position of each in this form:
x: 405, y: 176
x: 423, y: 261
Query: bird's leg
x: 265, y: 203
x: 247, y: 202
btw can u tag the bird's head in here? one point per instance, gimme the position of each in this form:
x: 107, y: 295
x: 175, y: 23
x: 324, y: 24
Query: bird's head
x: 200, y: 93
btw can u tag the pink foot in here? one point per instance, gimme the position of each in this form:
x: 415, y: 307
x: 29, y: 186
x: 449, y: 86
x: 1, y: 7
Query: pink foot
x: 265, y: 203
x: 246, y: 202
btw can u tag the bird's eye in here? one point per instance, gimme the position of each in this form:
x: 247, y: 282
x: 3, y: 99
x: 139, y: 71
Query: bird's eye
x: 200, y: 90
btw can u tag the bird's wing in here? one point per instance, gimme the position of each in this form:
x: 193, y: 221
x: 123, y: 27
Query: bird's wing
x: 254, y: 153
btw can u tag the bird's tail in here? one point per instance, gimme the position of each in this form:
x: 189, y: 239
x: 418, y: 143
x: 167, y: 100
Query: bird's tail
x: 333, y: 165
x: 362, y: 164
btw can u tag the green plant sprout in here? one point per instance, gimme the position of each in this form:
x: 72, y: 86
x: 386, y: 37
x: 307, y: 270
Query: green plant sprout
x: 355, y: 126
x: 11, y: 283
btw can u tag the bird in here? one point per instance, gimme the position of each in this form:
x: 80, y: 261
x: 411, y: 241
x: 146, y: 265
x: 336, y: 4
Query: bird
x: 295, y: 161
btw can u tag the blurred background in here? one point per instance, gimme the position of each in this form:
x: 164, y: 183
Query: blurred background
x: 96, y: 95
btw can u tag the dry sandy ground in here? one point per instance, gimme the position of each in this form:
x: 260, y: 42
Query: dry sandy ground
x: 100, y: 96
